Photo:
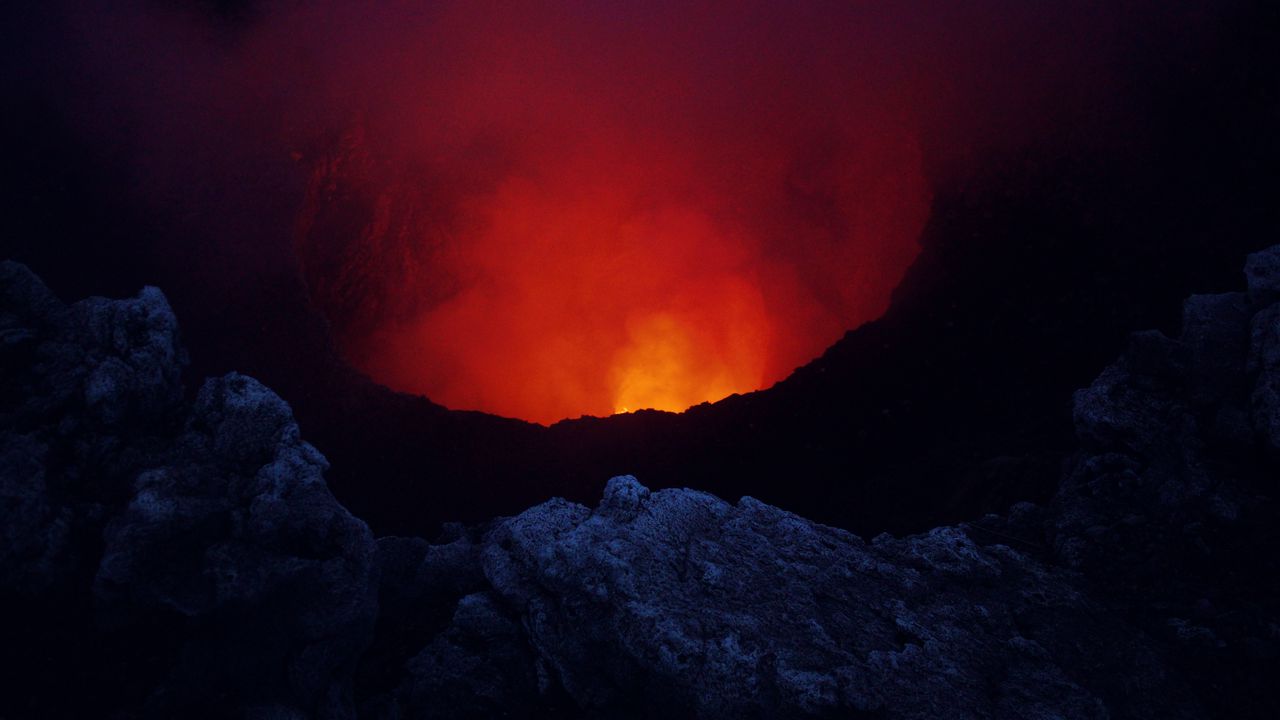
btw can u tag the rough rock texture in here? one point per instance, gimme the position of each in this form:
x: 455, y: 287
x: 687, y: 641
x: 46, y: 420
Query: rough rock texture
x: 1170, y: 507
x: 169, y: 556
x: 239, y: 534
x: 192, y: 546
x: 745, y: 610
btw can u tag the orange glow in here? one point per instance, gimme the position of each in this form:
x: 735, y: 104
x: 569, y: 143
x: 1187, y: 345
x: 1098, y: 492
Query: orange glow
x: 685, y: 355
x: 562, y: 217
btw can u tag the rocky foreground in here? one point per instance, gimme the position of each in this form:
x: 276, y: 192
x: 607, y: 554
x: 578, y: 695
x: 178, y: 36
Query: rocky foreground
x: 163, y: 555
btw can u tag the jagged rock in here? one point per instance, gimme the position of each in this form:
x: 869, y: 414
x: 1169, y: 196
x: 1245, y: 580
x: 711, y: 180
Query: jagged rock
x: 184, y: 558
x: 82, y: 387
x: 1167, y: 507
x: 202, y: 533
x: 676, y: 603
x: 241, y: 536
x: 1142, y: 487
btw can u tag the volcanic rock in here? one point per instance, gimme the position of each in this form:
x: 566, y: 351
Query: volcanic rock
x: 191, y: 547
x: 174, y: 556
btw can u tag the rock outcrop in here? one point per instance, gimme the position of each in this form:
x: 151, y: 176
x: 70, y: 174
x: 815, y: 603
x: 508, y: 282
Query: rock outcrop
x: 191, y: 549
x: 174, y: 556
x: 677, y: 603
x: 1169, y: 506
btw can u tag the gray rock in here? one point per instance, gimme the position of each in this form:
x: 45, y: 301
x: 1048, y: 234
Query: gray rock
x: 240, y: 535
x: 132, y: 355
x: 1165, y: 506
x: 225, y: 579
x: 83, y: 387
x: 697, y: 607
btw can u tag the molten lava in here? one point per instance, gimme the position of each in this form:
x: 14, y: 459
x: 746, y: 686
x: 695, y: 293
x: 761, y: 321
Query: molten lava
x: 558, y: 221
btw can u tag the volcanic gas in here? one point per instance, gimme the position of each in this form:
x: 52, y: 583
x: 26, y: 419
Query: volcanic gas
x: 549, y: 208
x: 564, y: 221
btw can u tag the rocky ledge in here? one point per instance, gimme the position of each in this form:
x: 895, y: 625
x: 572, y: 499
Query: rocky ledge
x: 174, y: 556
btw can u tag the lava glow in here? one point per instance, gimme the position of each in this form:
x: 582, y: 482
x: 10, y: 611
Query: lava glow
x: 579, y: 218
x: 605, y: 283
x: 549, y: 208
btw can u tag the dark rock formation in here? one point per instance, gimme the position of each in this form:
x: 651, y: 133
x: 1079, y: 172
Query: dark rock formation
x: 166, y: 556
x: 190, y: 552
x: 677, y: 603
x: 1169, y: 506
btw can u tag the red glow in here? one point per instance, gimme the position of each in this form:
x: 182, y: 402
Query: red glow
x: 571, y: 218
x: 544, y: 208
x: 577, y: 213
